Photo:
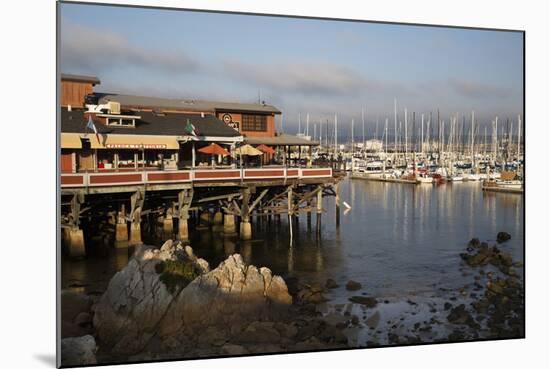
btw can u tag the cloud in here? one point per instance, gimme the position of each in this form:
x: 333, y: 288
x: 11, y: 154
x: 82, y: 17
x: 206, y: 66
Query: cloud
x: 92, y: 50
x: 321, y: 79
x: 477, y: 90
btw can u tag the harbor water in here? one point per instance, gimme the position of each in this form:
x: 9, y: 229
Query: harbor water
x: 396, y: 240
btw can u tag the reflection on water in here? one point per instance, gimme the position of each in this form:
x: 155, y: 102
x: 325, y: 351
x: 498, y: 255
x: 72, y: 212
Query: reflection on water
x: 396, y: 240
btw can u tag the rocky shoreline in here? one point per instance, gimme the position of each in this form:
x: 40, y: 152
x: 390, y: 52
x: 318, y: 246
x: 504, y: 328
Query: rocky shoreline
x: 168, y: 304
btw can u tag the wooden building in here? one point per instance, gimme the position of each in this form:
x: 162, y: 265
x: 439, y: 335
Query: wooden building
x: 127, y: 146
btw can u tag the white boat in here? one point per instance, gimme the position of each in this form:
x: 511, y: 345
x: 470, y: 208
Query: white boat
x: 425, y: 179
x: 473, y: 177
x: 510, y: 184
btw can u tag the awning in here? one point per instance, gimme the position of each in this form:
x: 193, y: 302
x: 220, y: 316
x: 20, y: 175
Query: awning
x: 247, y: 150
x: 266, y: 149
x: 70, y: 141
x: 116, y: 141
x: 214, y: 149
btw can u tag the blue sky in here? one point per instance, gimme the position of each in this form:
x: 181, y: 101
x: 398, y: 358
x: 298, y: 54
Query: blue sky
x: 301, y: 66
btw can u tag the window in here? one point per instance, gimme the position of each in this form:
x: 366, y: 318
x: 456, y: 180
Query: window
x: 121, y: 122
x: 254, y: 122
x: 105, y: 159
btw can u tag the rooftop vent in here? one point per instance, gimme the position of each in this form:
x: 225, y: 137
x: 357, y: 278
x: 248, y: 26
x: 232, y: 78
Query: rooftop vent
x: 113, y: 107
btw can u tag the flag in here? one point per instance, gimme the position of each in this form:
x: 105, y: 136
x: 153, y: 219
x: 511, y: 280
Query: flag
x: 190, y: 129
x: 92, y: 126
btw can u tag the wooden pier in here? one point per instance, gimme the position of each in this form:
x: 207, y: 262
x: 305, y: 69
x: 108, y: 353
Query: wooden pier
x: 220, y: 198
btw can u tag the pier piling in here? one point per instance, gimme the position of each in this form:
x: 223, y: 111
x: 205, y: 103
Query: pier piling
x: 74, y: 236
x: 136, y: 205
x: 217, y: 221
x: 76, y: 247
x: 185, y: 198
x: 168, y: 224
x: 121, y: 228
x: 229, y: 224
x: 245, y: 226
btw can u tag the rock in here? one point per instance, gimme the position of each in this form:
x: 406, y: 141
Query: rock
x: 373, y: 320
x: 259, y: 333
x: 309, y: 329
x: 332, y: 335
x: 286, y: 330
x: 170, y: 292
x: 83, y: 319
x: 70, y: 329
x: 459, y: 315
x: 293, y: 285
x: 73, y: 304
x: 335, y: 319
x: 212, y: 336
x: 354, y: 319
x: 353, y: 285
x: 331, y: 283
x: 230, y: 349
x: 309, y: 345
x: 265, y: 348
x: 78, y: 351
x: 364, y: 300
x: 503, y: 237
x: 310, y: 294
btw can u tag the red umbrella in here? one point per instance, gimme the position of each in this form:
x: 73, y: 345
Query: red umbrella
x: 214, y: 149
x: 266, y: 149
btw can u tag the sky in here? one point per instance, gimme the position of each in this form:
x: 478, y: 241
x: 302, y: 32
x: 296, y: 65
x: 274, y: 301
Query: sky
x: 302, y: 66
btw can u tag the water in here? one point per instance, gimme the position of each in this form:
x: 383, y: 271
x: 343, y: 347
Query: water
x: 397, y: 240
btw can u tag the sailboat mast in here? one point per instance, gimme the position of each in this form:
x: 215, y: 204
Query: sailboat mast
x: 406, y: 135
x: 472, y: 143
x: 438, y: 138
x: 352, y: 134
x: 414, y: 143
x: 485, y: 144
x: 314, y: 131
x: 519, y: 137
x: 386, y: 148
x: 363, y: 120
x: 307, y: 124
x: 496, y: 140
x: 422, y: 135
x: 335, y: 135
x: 376, y: 131
x: 320, y: 131
x: 395, y: 131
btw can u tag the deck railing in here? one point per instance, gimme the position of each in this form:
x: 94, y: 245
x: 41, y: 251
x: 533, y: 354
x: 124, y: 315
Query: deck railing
x: 102, y: 179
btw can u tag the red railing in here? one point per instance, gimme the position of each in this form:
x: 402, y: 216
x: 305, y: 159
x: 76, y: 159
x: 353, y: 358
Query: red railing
x: 92, y: 179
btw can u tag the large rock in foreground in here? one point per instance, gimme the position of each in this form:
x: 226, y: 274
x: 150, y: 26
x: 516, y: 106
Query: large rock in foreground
x: 78, y: 351
x: 170, y: 293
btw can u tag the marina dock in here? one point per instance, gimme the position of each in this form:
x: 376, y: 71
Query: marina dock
x: 502, y: 189
x: 383, y: 179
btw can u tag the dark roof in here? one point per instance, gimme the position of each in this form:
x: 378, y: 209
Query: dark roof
x: 80, y: 78
x: 169, y: 124
x: 149, y: 102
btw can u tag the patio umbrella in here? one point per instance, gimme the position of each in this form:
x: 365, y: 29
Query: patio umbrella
x: 248, y: 150
x: 214, y: 149
x: 266, y: 149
